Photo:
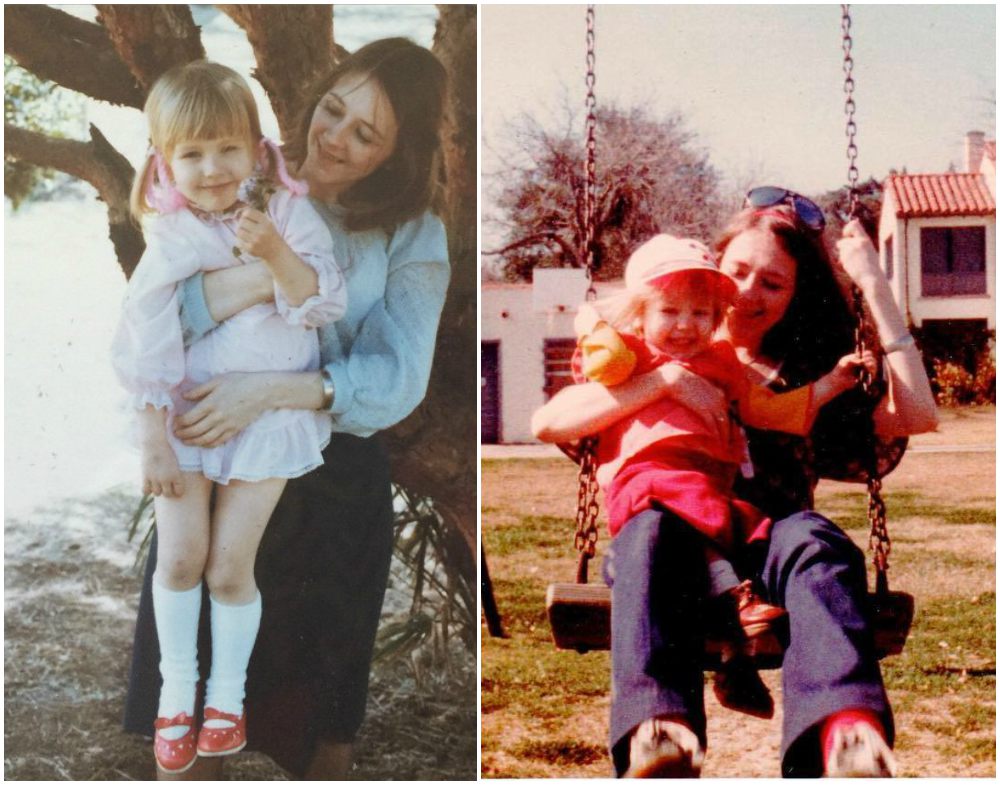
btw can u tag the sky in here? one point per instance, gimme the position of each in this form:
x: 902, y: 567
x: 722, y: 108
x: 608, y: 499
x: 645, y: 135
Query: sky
x: 761, y: 86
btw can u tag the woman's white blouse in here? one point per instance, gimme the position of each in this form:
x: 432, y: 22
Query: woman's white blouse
x: 379, y: 354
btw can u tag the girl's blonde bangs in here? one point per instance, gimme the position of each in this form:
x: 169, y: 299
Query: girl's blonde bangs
x: 200, y: 105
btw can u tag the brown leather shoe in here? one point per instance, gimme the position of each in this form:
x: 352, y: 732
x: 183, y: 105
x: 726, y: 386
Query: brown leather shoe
x: 738, y: 686
x: 756, y: 616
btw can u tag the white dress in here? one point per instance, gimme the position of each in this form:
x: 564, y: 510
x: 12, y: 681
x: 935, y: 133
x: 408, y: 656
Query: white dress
x: 148, y: 351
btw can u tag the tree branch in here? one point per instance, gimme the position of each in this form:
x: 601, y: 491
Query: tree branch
x: 76, y: 54
x: 538, y: 238
x: 152, y: 38
x: 273, y: 32
x: 96, y: 162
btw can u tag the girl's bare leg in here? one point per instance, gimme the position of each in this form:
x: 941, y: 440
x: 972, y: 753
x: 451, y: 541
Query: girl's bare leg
x: 182, y: 529
x: 242, y: 510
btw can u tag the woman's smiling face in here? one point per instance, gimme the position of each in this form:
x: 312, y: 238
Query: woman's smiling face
x: 765, y: 277
x: 353, y: 131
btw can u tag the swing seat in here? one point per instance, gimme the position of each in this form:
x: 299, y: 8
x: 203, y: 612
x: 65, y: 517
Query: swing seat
x: 580, y: 618
x: 891, y: 618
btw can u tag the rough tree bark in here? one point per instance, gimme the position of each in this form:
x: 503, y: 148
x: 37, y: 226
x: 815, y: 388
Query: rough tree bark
x: 434, y: 449
x: 99, y: 164
x: 152, y: 38
x: 273, y: 33
x: 54, y: 45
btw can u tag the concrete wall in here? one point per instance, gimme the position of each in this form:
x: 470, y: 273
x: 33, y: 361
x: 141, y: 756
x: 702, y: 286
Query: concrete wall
x: 509, y: 316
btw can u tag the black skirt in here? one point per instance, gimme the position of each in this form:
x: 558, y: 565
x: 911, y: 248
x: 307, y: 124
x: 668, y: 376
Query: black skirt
x: 322, y: 570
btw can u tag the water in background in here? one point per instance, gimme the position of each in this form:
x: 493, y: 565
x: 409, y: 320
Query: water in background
x: 65, y: 418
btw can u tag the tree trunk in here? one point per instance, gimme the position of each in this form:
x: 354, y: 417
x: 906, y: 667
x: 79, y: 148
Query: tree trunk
x: 293, y: 45
x: 434, y: 449
x: 99, y: 164
x: 152, y: 38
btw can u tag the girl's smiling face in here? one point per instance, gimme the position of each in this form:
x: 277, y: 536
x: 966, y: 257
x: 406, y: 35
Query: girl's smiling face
x: 680, y: 321
x: 352, y: 133
x: 208, y: 172
x: 765, y: 278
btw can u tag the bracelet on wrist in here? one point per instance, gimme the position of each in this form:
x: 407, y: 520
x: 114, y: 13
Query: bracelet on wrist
x: 328, y: 391
x: 903, y: 342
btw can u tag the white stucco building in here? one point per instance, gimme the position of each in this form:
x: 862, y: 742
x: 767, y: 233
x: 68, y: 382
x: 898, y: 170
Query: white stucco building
x: 527, y: 341
x: 937, y: 239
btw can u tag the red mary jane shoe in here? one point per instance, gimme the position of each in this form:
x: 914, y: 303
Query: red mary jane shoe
x: 175, y: 755
x: 215, y: 742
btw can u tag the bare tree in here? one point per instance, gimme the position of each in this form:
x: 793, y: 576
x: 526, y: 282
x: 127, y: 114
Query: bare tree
x: 650, y: 178
x: 118, y: 58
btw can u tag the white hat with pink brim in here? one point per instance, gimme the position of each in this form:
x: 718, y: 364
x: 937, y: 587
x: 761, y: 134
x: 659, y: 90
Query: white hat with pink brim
x: 653, y: 262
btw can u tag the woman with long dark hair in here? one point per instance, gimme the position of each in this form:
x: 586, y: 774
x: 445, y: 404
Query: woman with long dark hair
x: 791, y: 322
x: 368, y: 146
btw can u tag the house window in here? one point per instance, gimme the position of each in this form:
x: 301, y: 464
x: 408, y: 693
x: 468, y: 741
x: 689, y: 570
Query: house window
x: 953, y: 261
x: 558, y: 372
x: 888, y: 258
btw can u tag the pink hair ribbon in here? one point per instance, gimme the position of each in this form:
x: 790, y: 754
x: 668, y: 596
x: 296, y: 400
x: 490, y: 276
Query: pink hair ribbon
x: 161, y: 194
x: 297, y: 187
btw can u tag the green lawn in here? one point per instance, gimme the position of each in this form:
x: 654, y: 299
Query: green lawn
x: 544, y: 712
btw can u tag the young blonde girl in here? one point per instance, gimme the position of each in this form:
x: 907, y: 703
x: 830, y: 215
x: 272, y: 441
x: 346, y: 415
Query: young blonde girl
x: 215, y: 193
x: 664, y: 456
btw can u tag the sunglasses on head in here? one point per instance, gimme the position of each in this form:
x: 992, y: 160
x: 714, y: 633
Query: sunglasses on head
x: 806, y: 209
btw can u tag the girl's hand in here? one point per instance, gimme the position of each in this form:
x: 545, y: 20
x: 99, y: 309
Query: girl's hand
x: 846, y: 373
x: 227, y: 404
x: 161, y: 474
x: 256, y: 235
x: 700, y: 396
x: 858, y: 256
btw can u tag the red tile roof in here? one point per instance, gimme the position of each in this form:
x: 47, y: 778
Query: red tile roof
x: 991, y: 150
x: 940, y: 195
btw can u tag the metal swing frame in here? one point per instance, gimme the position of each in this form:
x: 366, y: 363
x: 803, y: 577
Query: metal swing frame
x: 580, y: 613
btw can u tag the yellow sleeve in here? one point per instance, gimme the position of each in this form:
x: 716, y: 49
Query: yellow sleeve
x: 789, y: 412
x: 604, y: 356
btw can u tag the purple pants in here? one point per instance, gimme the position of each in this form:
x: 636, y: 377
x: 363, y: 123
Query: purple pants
x: 658, y: 578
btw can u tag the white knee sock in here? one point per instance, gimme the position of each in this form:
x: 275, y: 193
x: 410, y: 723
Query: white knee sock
x: 234, y: 632
x: 176, y: 614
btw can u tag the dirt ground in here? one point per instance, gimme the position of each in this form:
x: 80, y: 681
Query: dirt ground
x: 70, y: 602
x: 942, y: 514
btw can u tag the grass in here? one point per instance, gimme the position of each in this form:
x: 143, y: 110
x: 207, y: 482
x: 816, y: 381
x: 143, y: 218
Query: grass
x: 70, y: 596
x: 544, y: 712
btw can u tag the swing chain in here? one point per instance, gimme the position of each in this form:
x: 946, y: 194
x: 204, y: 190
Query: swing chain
x: 590, y: 187
x: 878, y: 539
x: 587, y: 508
x: 849, y: 108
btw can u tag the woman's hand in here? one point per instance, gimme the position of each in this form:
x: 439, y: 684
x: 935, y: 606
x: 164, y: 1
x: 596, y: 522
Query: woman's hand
x: 858, y: 256
x: 909, y: 407
x: 226, y: 405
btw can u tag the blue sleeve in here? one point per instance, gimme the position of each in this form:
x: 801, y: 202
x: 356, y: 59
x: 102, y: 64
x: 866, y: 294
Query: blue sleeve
x: 196, y: 321
x: 385, y: 374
